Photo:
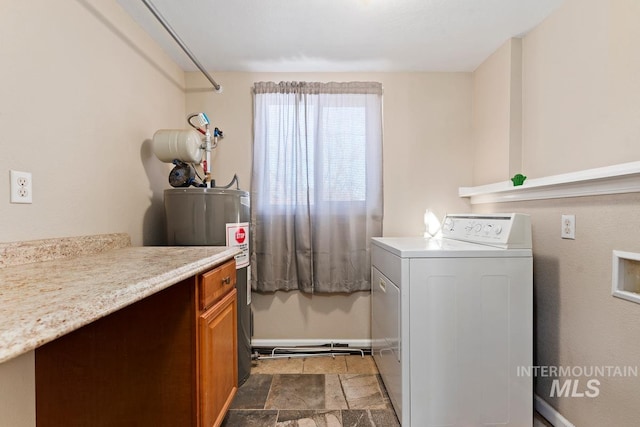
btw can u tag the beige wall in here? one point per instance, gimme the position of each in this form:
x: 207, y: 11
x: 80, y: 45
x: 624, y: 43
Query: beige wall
x: 82, y: 90
x: 17, y: 391
x: 427, y: 125
x: 497, y: 115
x: 581, y: 88
x: 581, y: 109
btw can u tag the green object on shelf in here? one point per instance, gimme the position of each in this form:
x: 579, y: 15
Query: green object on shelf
x: 518, y: 179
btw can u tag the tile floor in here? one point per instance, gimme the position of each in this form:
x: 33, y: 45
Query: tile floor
x: 312, y: 391
x: 345, y: 391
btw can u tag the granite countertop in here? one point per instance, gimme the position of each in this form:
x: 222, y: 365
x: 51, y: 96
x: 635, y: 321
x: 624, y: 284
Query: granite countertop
x: 42, y: 301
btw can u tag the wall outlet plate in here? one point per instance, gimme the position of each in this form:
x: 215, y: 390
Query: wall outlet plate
x: 568, y: 227
x: 21, y: 187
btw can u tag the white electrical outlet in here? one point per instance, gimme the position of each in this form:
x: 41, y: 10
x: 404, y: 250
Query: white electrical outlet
x: 21, y: 187
x: 568, y: 230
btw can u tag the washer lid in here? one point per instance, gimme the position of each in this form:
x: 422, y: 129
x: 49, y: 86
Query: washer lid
x: 437, y: 247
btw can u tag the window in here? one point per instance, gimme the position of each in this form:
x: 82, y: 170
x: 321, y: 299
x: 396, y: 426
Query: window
x: 342, y: 172
x: 317, y: 158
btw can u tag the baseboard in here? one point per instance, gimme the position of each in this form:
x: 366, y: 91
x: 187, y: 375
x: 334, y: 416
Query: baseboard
x: 364, y: 344
x: 550, y: 414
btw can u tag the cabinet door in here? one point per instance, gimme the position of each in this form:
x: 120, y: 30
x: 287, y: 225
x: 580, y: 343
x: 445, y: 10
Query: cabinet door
x: 218, y: 364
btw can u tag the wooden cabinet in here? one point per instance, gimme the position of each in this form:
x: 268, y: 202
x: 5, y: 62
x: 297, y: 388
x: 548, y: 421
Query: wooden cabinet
x: 167, y: 360
x: 217, y: 344
x: 218, y: 370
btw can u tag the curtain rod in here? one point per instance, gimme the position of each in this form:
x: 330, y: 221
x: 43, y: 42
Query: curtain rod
x: 184, y: 47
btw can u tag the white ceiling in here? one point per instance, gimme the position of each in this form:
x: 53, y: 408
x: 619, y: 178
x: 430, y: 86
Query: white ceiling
x: 339, y: 35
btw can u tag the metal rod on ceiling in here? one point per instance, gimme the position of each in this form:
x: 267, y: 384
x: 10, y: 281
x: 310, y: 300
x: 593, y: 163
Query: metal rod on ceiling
x: 175, y: 36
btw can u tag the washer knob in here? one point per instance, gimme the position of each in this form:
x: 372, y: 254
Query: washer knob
x: 448, y: 224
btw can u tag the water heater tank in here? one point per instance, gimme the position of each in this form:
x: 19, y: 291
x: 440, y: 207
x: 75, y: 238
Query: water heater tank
x: 205, y: 216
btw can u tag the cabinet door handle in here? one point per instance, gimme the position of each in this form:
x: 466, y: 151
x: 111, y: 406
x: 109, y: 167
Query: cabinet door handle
x: 226, y: 280
x: 383, y: 285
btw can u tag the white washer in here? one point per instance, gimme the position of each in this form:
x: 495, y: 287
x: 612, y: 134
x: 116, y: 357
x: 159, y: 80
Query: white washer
x: 452, y: 320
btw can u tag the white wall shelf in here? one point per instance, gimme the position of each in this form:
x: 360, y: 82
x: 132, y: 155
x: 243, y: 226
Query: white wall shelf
x: 616, y: 179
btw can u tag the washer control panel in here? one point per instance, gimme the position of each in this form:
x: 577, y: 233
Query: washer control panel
x: 501, y: 230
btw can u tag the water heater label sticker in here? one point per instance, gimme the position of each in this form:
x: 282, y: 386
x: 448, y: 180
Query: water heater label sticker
x: 238, y: 237
x: 245, y: 201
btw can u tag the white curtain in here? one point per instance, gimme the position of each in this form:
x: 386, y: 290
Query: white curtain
x: 316, y: 185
